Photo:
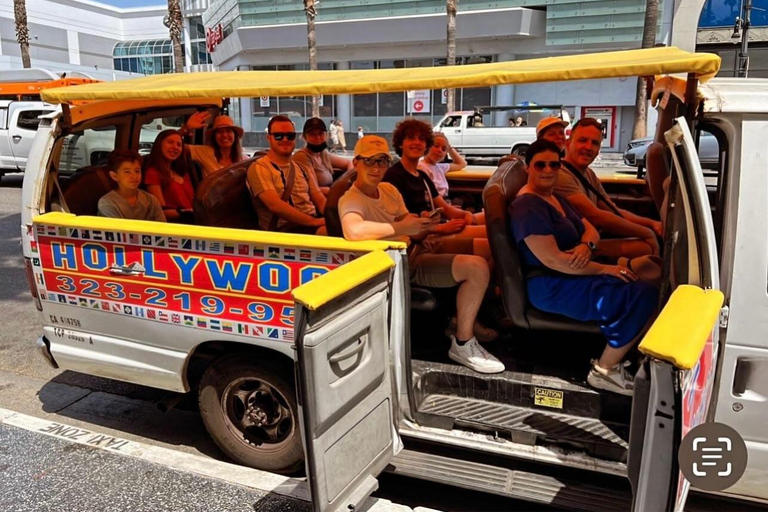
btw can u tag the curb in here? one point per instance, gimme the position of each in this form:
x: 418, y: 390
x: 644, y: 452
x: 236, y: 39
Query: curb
x: 295, y: 488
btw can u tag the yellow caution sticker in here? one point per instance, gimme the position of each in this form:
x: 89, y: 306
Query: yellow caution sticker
x: 548, y: 398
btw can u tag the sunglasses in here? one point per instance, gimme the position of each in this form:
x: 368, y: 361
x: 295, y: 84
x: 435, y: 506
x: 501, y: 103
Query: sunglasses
x: 281, y: 135
x: 540, y: 166
x: 377, y: 162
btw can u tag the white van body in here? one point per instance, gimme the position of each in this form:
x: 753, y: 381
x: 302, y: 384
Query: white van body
x: 351, y: 346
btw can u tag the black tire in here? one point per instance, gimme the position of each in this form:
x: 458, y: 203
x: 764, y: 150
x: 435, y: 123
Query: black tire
x: 520, y: 150
x: 232, y: 382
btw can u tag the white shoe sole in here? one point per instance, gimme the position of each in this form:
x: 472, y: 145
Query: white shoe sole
x: 477, y: 368
x: 599, y: 383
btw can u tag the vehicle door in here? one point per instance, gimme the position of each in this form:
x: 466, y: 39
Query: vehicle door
x: 453, y: 128
x: 671, y: 396
x: 742, y: 387
x: 24, y: 118
x: 478, y: 136
x: 346, y: 400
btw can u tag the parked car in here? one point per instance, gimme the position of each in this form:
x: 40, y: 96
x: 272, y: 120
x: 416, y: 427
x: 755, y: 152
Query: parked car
x: 473, y: 134
x: 634, y: 155
x: 18, y: 125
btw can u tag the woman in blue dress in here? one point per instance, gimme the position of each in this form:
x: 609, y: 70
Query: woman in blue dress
x: 556, y: 248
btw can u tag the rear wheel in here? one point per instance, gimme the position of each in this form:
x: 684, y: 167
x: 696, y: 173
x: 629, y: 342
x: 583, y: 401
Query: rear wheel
x: 250, y: 411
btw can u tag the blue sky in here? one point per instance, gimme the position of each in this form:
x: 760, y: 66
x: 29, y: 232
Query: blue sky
x: 132, y: 3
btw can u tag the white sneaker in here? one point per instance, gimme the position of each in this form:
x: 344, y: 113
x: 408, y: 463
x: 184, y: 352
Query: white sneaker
x: 615, y: 379
x: 473, y: 356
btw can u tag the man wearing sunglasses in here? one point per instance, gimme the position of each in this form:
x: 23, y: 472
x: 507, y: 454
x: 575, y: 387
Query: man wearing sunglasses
x: 578, y: 183
x: 372, y: 210
x: 286, y: 195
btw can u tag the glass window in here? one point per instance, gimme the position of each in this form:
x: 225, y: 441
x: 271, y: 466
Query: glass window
x: 86, y: 148
x: 196, y: 28
x: 28, y: 119
x: 364, y: 104
x: 475, y: 97
x: 758, y: 63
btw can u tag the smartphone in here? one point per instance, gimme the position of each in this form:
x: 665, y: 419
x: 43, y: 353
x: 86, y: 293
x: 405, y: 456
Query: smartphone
x: 435, y: 214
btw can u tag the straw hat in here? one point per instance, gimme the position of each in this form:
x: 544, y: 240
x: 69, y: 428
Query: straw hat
x: 222, y: 122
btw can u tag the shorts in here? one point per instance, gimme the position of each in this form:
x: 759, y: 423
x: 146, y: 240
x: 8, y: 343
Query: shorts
x: 431, y: 261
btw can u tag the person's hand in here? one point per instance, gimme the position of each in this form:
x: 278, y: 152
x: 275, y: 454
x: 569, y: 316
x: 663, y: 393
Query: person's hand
x: 469, y: 218
x: 198, y: 120
x: 656, y: 228
x: 317, y: 222
x: 416, y: 226
x: 619, y: 272
x: 580, y: 256
x: 451, y: 227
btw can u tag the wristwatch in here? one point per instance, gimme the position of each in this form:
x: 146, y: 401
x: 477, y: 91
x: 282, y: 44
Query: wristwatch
x: 591, y: 245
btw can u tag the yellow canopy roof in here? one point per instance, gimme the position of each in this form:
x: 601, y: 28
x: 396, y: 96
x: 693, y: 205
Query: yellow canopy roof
x: 648, y: 62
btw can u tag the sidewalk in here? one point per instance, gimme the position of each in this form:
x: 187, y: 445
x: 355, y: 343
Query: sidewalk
x: 50, y: 466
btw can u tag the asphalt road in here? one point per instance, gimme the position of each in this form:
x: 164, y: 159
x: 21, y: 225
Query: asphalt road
x: 29, y: 386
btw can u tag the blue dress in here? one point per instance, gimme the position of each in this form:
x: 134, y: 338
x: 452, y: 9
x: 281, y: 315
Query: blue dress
x: 620, y: 309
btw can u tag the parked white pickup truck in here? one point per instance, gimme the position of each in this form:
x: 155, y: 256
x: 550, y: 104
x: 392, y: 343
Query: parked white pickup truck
x: 18, y: 125
x: 478, y: 133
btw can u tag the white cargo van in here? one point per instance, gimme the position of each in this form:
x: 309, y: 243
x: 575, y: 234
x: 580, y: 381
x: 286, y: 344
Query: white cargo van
x: 316, y: 352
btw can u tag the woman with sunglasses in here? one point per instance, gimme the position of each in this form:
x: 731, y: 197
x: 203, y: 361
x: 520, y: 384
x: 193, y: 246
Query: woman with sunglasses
x: 556, y: 246
x: 168, y: 176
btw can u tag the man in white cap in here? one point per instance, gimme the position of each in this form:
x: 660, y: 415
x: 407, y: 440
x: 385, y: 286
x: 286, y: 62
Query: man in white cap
x: 372, y: 210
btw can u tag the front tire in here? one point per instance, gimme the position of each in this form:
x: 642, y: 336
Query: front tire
x: 251, y: 413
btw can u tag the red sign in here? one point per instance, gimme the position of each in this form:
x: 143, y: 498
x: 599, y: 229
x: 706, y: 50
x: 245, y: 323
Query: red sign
x: 240, y: 288
x: 418, y: 106
x: 213, y: 36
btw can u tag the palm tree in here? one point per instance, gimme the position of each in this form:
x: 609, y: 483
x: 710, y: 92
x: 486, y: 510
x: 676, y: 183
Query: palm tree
x: 311, y: 11
x: 451, y: 37
x: 649, y: 40
x: 22, y: 30
x: 175, y: 22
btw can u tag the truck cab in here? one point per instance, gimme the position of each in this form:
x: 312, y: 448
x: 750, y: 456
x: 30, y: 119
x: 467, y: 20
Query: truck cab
x: 19, y: 121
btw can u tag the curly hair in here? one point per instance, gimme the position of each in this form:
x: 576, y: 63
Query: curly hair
x: 411, y: 128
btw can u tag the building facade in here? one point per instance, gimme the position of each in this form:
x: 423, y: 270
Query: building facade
x: 102, y: 41
x: 720, y: 33
x: 360, y: 34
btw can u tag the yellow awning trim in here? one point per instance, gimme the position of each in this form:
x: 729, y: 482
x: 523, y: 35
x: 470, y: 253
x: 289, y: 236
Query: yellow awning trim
x: 680, y: 332
x: 216, y: 234
x: 323, y: 289
x: 647, y: 62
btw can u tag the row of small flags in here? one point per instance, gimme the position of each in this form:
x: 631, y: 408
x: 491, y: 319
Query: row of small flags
x: 170, y: 242
x: 213, y: 324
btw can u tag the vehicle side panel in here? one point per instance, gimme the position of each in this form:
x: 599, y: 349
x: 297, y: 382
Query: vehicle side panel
x: 153, y: 298
x: 742, y: 400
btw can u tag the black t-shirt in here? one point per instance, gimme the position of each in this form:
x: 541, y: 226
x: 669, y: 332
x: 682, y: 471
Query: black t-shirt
x: 418, y: 191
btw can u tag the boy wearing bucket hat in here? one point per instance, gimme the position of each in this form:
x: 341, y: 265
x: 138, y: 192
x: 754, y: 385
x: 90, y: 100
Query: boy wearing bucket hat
x: 223, y: 142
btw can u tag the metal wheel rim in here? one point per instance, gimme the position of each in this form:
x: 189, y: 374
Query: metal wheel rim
x: 267, y: 428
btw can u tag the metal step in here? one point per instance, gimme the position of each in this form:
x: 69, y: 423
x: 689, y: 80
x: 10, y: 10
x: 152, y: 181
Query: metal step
x: 531, y: 426
x: 563, y: 492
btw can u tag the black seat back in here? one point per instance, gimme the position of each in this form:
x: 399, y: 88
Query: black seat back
x: 338, y: 189
x: 223, y: 199
x: 84, y: 188
x: 499, y: 192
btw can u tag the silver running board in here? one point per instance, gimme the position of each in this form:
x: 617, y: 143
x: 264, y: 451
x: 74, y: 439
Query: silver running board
x: 563, y: 492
